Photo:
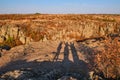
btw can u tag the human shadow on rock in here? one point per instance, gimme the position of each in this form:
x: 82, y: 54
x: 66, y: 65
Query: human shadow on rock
x: 58, y: 52
x: 52, y: 70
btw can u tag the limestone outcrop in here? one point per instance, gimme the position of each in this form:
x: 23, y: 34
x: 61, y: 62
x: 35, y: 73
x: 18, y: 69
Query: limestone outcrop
x: 58, y: 27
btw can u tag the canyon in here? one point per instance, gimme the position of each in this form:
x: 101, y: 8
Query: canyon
x: 57, y: 27
x: 55, y: 46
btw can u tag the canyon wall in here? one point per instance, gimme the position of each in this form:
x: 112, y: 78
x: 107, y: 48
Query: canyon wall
x: 56, y: 28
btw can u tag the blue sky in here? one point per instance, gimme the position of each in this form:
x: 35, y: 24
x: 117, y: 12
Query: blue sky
x: 60, y: 6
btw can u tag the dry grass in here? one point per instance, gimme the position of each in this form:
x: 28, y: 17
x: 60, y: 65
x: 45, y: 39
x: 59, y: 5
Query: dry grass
x: 108, y: 61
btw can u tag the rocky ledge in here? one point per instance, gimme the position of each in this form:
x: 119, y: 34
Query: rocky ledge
x: 57, y: 27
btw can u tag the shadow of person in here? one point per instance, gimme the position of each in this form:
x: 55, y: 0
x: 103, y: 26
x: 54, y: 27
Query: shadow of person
x: 52, y: 70
x: 66, y: 52
x: 78, y: 65
x: 66, y: 62
x: 58, y: 52
x: 74, y: 53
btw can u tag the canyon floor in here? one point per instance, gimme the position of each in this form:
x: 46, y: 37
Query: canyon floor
x: 54, y: 47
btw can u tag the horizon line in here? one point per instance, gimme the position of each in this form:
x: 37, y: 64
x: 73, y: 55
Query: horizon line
x: 55, y: 13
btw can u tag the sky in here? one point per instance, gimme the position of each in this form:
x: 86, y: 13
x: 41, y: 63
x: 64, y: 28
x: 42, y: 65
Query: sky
x: 60, y: 6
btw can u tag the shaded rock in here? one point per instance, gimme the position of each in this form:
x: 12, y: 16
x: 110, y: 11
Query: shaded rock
x: 6, y: 47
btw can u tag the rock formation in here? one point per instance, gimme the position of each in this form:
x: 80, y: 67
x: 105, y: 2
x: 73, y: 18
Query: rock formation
x: 58, y: 27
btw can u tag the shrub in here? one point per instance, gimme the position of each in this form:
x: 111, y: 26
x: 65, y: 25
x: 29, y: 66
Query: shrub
x: 12, y: 42
x: 37, y: 13
x: 108, y: 61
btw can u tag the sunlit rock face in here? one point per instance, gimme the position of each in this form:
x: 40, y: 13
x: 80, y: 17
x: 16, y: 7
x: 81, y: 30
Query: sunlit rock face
x: 57, y: 27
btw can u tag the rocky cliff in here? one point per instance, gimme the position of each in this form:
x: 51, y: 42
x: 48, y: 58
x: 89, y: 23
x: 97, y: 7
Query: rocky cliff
x: 57, y: 27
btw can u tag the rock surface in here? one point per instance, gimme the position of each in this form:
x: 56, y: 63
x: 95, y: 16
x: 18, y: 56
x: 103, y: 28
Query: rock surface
x: 50, y: 60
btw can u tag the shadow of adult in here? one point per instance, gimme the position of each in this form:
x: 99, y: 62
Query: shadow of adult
x: 52, y: 70
x: 78, y: 65
x: 58, y: 52
x: 74, y: 53
x: 66, y: 62
x: 66, y: 52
